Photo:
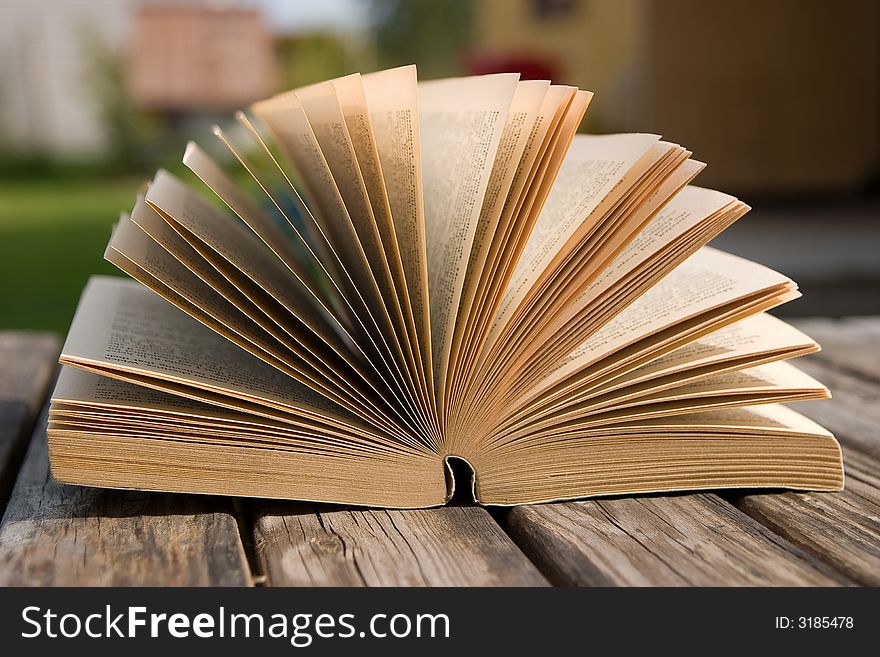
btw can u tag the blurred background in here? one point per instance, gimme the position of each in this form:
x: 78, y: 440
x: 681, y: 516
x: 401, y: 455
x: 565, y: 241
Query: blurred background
x: 782, y: 99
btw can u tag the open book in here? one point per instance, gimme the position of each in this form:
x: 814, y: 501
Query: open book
x: 384, y: 285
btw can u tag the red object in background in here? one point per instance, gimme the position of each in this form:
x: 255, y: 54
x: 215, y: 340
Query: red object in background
x: 528, y: 66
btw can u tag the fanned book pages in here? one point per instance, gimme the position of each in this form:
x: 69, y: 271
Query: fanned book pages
x: 369, y: 280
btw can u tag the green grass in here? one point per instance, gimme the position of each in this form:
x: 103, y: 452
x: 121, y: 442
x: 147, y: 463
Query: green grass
x: 52, y: 238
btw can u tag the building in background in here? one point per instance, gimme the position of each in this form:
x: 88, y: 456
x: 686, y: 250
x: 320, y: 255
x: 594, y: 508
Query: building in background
x: 49, y: 103
x: 79, y: 78
x: 779, y: 97
x: 199, y: 58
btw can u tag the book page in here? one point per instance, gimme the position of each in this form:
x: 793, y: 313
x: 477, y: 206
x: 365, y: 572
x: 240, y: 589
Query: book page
x: 264, y: 226
x: 286, y: 330
x: 766, y: 417
x: 121, y: 325
x: 327, y: 120
x: 353, y: 102
x: 517, y: 206
x: 240, y: 247
x: 753, y: 337
x: 593, y: 168
x: 771, y: 383
x: 89, y: 392
x: 707, y: 279
x: 515, y: 222
x: 461, y: 121
x: 518, y: 131
x: 687, y: 221
x: 523, y: 314
x: 393, y: 102
x: 291, y: 129
x: 683, y: 213
x: 279, y: 232
x: 311, y: 366
x: 717, y: 380
x: 751, y: 447
x: 570, y: 300
x: 770, y: 377
x: 324, y: 112
x: 746, y: 343
x: 543, y: 182
x: 81, y: 395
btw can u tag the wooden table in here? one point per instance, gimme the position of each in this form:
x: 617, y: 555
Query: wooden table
x: 67, y: 535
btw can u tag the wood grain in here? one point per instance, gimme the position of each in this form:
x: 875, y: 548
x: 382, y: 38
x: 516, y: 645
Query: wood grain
x: 58, y: 535
x: 307, y: 545
x: 697, y: 540
x: 27, y: 364
x: 841, y: 529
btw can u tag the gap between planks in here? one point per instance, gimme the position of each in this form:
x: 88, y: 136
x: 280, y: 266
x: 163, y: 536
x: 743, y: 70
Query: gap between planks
x: 460, y: 545
x: 779, y: 538
x: 27, y: 367
x: 321, y: 545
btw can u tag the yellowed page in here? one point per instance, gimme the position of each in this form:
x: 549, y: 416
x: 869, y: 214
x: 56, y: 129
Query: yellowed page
x: 519, y: 129
x: 175, y: 353
x: 747, y: 343
x: 771, y: 383
x: 527, y: 179
x: 290, y: 126
x: 77, y: 388
x: 683, y: 219
x: 766, y: 417
x: 328, y: 122
x: 121, y: 325
x: 346, y: 370
x: 393, y: 102
x: 242, y: 204
x: 311, y: 365
x: 353, y: 101
x: 542, y: 310
x: 570, y: 298
x: 750, y: 338
x: 84, y: 395
x: 514, y: 223
x: 708, y: 278
x: 770, y: 378
x: 177, y: 202
x: 461, y: 121
x: 593, y: 168
x: 292, y: 130
x: 249, y: 256
x: 752, y: 447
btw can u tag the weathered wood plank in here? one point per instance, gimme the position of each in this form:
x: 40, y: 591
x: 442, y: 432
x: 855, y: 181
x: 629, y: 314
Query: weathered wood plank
x: 668, y: 541
x: 58, y: 535
x: 840, y: 529
x: 329, y: 546
x: 27, y: 364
